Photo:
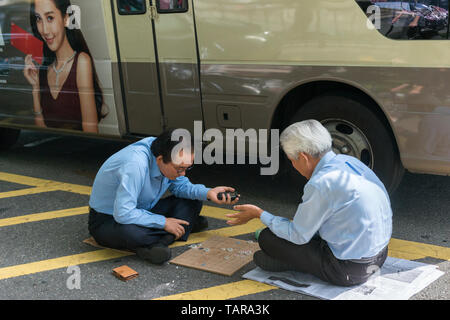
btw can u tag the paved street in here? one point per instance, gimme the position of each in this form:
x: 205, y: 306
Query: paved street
x: 44, y: 190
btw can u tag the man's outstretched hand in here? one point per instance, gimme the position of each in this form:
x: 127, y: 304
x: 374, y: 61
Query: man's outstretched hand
x: 246, y: 213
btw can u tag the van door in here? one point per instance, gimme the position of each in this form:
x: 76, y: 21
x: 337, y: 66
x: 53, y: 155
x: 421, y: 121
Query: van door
x: 177, y: 56
x: 158, y: 57
x: 137, y: 56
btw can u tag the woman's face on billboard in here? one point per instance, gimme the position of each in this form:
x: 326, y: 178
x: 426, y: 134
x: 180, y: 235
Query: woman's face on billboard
x: 50, y: 23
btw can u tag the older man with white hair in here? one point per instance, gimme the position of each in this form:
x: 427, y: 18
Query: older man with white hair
x: 341, y: 229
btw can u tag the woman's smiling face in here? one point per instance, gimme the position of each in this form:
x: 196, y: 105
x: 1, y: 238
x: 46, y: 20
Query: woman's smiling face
x: 50, y: 23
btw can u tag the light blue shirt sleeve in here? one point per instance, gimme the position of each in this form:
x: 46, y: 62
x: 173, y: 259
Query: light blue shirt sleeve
x: 125, y: 204
x: 307, y: 221
x: 181, y: 187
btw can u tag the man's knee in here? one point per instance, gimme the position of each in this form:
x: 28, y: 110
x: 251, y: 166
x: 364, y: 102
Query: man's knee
x: 197, y: 205
x: 192, y: 206
x: 264, y: 239
x: 134, y: 236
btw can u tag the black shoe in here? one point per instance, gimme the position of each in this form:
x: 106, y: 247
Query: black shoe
x: 200, y: 225
x: 268, y: 263
x: 156, y: 254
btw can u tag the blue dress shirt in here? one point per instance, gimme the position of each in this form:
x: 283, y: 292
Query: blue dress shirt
x: 346, y: 203
x: 130, y: 183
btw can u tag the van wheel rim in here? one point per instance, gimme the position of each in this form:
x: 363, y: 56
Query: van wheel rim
x: 348, y: 139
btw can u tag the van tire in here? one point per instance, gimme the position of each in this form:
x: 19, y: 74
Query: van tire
x: 8, y: 137
x: 351, y: 120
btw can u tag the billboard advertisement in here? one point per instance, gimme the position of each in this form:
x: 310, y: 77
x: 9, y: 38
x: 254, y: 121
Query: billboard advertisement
x: 55, y: 67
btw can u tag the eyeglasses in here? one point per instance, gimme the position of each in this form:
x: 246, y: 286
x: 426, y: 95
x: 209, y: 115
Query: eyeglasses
x: 183, y: 169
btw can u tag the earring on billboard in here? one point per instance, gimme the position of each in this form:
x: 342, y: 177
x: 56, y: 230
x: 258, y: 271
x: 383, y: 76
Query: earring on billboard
x: 62, y: 68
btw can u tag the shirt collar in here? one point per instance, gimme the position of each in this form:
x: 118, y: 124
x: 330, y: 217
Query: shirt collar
x: 325, y: 159
x: 154, y: 169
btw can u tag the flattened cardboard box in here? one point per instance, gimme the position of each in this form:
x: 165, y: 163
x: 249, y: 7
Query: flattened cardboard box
x: 219, y: 255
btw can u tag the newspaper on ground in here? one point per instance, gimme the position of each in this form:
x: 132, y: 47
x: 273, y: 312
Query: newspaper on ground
x: 398, y: 279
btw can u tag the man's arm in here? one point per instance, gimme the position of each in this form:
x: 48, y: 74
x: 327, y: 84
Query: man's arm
x: 181, y: 187
x: 307, y: 220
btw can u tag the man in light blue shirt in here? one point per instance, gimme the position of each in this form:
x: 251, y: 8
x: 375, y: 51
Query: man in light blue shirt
x: 341, y: 229
x: 127, y: 210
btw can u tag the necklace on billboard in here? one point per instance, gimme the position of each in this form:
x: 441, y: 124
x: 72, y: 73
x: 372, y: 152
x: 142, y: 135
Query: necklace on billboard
x: 57, y: 72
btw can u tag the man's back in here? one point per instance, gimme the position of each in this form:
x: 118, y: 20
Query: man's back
x: 358, y: 219
x: 133, y: 158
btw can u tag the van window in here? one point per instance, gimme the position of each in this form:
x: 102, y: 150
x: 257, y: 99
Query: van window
x: 127, y: 7
x: 409, y: 20
x: 171, y: 6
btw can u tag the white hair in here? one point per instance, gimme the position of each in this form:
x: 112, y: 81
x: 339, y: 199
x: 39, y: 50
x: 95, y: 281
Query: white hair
x: 308, y: 136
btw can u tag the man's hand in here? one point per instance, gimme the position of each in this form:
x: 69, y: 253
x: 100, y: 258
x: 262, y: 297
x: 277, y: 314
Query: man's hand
x: 174, y: 226
x: 246, y: 213
x: 212, y: 195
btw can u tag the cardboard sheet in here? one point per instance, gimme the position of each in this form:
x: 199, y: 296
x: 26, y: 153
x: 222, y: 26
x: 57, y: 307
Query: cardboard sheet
x: 219, y: 255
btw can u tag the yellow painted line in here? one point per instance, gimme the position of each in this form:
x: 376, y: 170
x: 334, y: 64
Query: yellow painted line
x: 36, y: 182
x: 215, y: 212
x: 223, y: 292
x: 43, y: 216
x: 19, y: 179
x: 411, y: 250
x: 27, y: 191
x: 57, y: 263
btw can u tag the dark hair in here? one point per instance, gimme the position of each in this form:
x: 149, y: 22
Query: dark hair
x: 76, y: 41
x: 163, y: 145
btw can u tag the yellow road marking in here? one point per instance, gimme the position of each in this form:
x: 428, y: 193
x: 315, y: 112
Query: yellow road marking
x: 52, y: 264
x: 43, y: 216
x: 36, y: 182
x: 27, y: 191
x: 215, y: 212
x: 411, y: 250
x: 222, y: 292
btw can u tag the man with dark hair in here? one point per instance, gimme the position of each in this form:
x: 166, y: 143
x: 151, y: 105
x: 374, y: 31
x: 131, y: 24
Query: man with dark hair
x: 127, y: 210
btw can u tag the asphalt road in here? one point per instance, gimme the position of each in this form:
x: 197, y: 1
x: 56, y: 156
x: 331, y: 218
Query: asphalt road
x: 420, y: 205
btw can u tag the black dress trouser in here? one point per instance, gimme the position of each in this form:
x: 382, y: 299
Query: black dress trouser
x: 107, y: 232
x: 316, y: 258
